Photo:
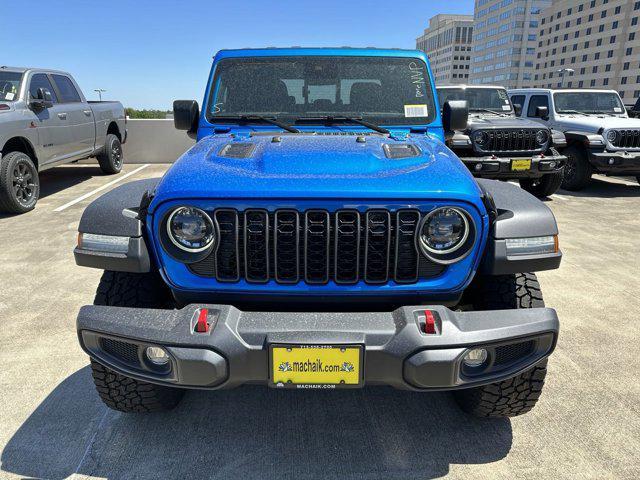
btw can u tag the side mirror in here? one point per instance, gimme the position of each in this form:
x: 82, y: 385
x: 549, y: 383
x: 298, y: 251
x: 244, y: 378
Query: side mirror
x: 455, y: 115
x: 542, y: 112
x: 185, y: 116
x: 43, y: 100
x: 517, y: 108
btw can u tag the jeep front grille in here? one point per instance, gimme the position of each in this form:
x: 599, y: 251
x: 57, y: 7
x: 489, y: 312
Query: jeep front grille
x: 627, y: 139
x: 511, y: 140
x: 316, y: 246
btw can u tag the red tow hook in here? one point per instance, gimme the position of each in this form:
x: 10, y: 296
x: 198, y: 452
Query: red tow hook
x: 429, y: 323
x: 201, y: 324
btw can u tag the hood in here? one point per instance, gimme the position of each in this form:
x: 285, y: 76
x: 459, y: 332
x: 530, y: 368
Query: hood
x: 302, y: 166
x: 477, y: 122
x: 593, y: 124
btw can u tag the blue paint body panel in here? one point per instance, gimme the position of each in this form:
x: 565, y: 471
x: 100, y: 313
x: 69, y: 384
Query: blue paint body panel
x: 305, y: 171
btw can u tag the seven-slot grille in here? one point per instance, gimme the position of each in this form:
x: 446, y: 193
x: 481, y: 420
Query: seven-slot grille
x: 316, y: 246
x: 514, y: 140
x: 627, y: 139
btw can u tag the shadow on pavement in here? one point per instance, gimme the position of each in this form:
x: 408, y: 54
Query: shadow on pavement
x: 603, y: 189
x: 60, y: 178
x: 254, y: 432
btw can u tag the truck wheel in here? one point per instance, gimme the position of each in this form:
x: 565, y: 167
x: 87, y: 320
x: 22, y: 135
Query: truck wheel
x: 111, y: 158
x: 543, y: 187
x: 577, y: 171
x: 19, y: 183
x: 119, y: 392
x: 519, y: 394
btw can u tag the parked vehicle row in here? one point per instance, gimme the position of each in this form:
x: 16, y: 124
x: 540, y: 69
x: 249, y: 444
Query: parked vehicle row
x: 45, y: 120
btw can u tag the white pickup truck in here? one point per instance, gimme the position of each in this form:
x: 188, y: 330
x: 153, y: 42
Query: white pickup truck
x: 601, y: 138
x: 45, y: 121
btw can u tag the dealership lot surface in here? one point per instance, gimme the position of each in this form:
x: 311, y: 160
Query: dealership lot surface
x: 52, y: 424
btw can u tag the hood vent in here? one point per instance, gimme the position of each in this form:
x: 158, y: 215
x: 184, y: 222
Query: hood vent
x: 237, y: 150
x: 346, y: 134
x: 401, y: 150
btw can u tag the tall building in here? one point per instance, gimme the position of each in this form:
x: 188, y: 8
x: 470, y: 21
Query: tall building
x: 505, y: 40
x: 447, y: 42
x: 599, y: 40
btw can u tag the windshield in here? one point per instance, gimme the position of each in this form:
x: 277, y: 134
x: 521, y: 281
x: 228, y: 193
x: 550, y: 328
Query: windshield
x: 9, y: 85
x: 479, y: 99
x: 382, y: 90
x: 588, y: 102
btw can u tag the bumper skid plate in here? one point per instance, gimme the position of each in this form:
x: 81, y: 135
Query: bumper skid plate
x: 383, y: 348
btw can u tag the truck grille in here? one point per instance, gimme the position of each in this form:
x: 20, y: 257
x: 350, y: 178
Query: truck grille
x: 514, y: 140
x: 316, y: 246
x: 627, y: 139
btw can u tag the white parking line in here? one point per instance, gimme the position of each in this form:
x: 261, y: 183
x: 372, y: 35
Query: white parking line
x: 616, y: 180
x: 99, y: 189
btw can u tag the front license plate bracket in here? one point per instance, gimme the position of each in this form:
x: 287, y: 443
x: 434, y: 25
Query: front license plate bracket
x: 316, y: 366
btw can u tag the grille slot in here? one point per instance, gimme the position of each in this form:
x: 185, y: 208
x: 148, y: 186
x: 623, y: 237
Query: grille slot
x: 513, y: 352
x: 377, y: 243
x: 256, y: 245
x: 316, y: 243
x: 124, y: 351
x: 521, y: 140
x: 627, y: 139
x: 316, y: 247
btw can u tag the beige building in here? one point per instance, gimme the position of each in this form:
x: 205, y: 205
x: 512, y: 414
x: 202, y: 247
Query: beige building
x: 447, y: 42
x: 505, y: 40
x: 599, y: 40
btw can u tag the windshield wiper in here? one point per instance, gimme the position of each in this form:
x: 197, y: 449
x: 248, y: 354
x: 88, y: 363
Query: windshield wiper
x: 500, y: 114
x: 358, y: 120
x: 574, y: 112
x: 257, y: 118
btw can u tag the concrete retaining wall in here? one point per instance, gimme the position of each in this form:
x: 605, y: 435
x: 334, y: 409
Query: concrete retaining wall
x: 154, y: 141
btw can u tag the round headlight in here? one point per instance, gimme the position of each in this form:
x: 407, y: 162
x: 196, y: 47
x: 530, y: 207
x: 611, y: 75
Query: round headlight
x: 443, y: 231
x: 612, y: 135
x: 542, y: 136
x: 190, y: 229
x: 480, y: 138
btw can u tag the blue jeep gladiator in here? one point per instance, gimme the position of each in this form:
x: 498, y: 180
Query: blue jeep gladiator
x: 319, y: 235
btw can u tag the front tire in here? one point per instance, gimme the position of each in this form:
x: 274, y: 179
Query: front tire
x: 119, y: 392
x: 577, y: 171
x: 545, y: 186
x: 19, y: 183
x: 111, y: 158
x: 519, y: 394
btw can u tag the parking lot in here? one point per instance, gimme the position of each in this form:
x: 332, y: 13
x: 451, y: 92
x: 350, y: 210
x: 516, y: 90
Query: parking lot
x: 54, y: 426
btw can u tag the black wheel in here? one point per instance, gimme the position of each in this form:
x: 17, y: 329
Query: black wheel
x: 117, y: 391
x: 577, y: 171
x: 519, y: 394
x: 544, y: 186
x: 19, y: 183
x: 111, y: 158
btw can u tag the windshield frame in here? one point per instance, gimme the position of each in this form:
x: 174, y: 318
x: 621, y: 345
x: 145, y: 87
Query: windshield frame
x: 588, y: 112
x: 292, y: 117
x: 19, y: 87
x: 500, y: 111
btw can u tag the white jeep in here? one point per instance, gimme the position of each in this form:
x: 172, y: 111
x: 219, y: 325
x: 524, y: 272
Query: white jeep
x: 601, y: 138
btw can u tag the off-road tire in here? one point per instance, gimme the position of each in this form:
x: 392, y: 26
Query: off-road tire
x: 119, y: 392
x: 577, y: 170
x: 18, y: 175
x: 544, y: 186
x: 517, y: 395
x: 111, y: 158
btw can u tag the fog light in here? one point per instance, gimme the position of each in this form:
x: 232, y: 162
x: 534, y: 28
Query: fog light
x: 475, y: 357
x: 552, y: 165
x: 478, y: 167
x: 157, y: 355
x: 611, y: 161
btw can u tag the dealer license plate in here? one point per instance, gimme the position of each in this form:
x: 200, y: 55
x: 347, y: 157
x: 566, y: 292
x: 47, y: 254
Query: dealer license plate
x: 316, y: 366
x: 520, y: 164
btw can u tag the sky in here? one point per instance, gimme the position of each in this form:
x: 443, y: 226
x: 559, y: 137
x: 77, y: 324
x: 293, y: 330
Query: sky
x: 147, y: 53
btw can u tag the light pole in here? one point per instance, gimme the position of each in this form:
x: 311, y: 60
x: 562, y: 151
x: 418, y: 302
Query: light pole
x: 562, y: 73
x: 100, y: 91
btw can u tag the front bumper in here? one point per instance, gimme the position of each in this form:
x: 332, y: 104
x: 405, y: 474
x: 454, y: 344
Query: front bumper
x: 616, y: 163
x: 501, y: 167
x: 397, y: 351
